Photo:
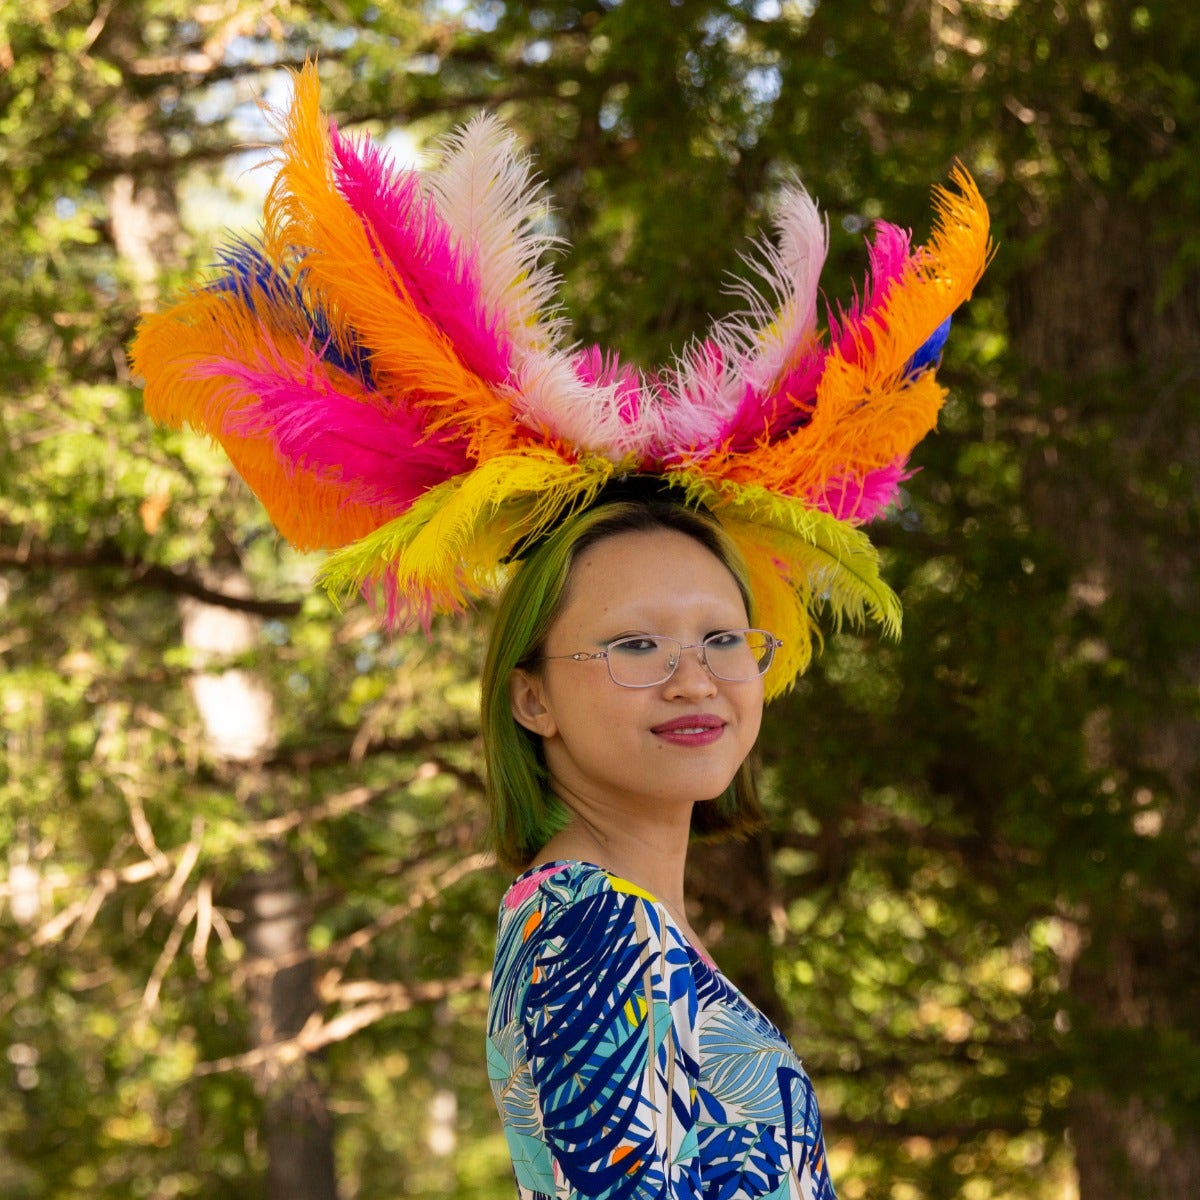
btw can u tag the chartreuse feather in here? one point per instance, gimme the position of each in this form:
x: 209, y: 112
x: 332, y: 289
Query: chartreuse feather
x: 841, y: 562
x: 444, y: 551
x: 803, y: 563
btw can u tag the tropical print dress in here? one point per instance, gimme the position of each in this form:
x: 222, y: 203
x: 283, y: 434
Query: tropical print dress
x: 625, y: 1065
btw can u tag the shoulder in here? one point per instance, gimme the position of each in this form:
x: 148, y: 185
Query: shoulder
x: 589, y: 958
x: 575, y: 917
x: 554, y: 886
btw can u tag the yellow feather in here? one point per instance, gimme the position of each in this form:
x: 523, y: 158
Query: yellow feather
x: 802, y: 563
x: 446, y: 547
x: 777, y: 608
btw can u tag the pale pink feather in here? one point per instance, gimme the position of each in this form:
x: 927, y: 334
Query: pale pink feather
x: 487, y: 193
x: 695, y: 400
x: 551, y: 396
x: 780, y: 327
x: 755, y: 375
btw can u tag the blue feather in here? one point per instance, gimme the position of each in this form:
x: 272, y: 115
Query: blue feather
x: 247, y: 272
x: 929, y: 353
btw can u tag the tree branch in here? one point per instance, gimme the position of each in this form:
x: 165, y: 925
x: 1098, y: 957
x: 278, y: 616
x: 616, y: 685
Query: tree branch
x: 332, y: 753
x: 425, y: 891
x: 110, y: 557
x: 385, y: 1000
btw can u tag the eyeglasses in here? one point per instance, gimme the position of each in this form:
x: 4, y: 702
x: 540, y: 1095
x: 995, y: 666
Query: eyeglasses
x: 646, y: 659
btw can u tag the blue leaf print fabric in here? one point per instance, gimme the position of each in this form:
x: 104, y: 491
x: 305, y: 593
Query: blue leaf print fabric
x: 625, y: 1066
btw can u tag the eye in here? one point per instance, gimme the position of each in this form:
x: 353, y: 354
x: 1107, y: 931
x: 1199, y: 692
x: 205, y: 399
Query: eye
x: 634, y: 645
x: 729, y: 639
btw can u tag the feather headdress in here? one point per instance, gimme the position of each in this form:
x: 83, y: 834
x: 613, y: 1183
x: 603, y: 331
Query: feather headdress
x: 381, y: 370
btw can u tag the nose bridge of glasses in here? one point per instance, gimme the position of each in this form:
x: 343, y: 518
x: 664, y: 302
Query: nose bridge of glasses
x: 677, y: 650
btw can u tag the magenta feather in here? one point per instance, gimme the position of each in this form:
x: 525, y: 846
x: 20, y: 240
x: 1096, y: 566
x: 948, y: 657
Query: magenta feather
x: 888, y: 254
x: 401, y: 607
x: 785, y: 408
x: 861, y: 500
x: 384, y: 452
x: 410, y: 234
x: 600, y: 370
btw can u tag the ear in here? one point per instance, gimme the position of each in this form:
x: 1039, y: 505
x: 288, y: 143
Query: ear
x: 527, y: 696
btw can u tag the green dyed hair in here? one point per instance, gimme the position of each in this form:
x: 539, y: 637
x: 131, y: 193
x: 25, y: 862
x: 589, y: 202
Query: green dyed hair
x: 524, y: 813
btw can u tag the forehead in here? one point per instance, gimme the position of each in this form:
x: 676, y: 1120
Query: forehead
x: 655, y: 580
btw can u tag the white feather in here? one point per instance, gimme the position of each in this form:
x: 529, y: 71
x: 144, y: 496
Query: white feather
x: 549, y: 395
x: 486, y: 192
x: 774, y: 328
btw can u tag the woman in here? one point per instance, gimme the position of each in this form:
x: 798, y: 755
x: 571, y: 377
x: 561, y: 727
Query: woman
x: 386, y: 368
x: 623, y: 693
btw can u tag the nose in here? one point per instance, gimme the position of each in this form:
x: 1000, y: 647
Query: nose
x: 691, y: 675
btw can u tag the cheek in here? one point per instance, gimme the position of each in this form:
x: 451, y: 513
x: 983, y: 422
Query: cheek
x: 752, y: 719
x: 596, y: 718
x: 578, y: 705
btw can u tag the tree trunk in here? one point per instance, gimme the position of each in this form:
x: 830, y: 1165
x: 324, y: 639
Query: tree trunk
x: 237, y: 710
x: 1112, y: 364
x: 297, y: 1126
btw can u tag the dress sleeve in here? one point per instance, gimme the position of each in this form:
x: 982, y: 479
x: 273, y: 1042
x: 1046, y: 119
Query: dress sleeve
x: 609, y: 1020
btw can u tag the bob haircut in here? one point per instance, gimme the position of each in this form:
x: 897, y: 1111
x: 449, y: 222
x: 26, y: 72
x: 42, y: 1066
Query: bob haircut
x: 524, y: 813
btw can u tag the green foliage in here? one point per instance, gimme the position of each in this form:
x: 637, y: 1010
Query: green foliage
x: 977, y: 833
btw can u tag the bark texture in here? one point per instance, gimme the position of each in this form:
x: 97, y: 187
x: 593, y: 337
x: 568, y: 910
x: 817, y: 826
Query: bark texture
x: 297, y: 1126
x: 272, y: 907
x: 1112, y: 347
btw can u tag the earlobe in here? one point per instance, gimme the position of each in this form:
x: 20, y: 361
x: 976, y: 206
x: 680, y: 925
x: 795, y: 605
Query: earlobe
x: 527, y: 698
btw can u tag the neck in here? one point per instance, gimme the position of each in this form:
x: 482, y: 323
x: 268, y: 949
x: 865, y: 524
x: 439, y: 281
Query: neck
x: 652, y: 855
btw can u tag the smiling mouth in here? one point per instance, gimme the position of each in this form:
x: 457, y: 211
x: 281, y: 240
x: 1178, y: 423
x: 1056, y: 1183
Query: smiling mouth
x: 690, y: 727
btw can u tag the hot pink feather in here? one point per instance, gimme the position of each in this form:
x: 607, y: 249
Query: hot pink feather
x: 861, y: 500
x: 787, y: 407
x: 888, y: 255
x: 410, y: 234
x: 383, y: 451
x: 600, y: 370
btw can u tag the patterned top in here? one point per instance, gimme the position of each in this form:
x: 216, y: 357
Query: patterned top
x: 625, y: 1065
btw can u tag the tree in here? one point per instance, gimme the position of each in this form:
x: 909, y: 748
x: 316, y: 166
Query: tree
x: 975, y: 906
x: 150, y: 851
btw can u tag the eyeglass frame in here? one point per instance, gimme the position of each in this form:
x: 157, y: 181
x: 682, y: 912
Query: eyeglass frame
x: 773, y: 644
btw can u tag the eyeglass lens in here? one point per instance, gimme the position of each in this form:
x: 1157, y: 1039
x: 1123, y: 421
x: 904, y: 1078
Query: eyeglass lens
x: 734, y: 655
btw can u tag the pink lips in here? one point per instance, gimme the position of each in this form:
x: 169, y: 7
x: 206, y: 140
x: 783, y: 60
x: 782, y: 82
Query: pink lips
x: 700, y: 730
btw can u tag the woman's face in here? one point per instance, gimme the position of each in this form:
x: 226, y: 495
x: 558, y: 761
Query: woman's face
x: 675, y: 743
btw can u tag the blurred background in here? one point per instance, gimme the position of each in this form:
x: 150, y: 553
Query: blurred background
x: 245, y: 927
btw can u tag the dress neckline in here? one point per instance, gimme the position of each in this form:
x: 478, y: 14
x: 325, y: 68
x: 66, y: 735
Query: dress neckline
x: 539, y: 871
